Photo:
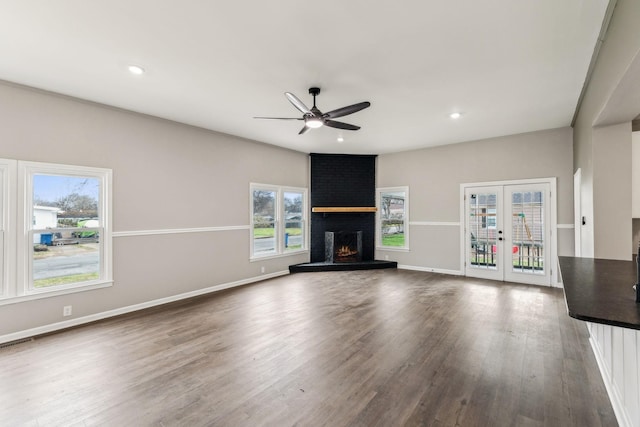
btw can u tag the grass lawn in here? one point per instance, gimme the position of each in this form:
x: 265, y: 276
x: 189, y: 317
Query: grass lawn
x: 517, y: 263
x: 261, y: 233
x: 393, y: 239
x: 64, y: 280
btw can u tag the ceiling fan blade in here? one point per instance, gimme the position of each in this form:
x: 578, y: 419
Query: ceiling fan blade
x: 340, y: 125
x: 280, y: 118
x: 304, y: 130
x: 346, y: 110
x: 297, y: 103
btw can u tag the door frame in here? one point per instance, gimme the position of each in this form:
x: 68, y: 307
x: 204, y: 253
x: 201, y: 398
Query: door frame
x: 577, y: 212
x: 553, y: 219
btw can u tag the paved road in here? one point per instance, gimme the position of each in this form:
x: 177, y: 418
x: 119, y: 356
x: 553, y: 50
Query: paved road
x: 268, y: 243
x: 89, y: 262
x: 57, y: 266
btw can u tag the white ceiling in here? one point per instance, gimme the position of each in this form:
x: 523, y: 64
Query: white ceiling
x: 510, y: 66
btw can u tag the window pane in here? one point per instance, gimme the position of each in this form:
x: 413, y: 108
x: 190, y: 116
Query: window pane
x: 294, y: 236
x: 264, y: 214
x: 392, y: 206
x: 60, y: 200
x: 66, y: 224
x: 63, y: 264
x: 294, y: 231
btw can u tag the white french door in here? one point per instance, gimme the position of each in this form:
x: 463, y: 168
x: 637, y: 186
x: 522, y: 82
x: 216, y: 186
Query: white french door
x: 508, y: 232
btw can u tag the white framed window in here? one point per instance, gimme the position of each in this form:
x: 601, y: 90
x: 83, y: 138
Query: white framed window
x: 60, y: 232
x: 293, y: 205
x: 7, y: 225
x: 393, y: 218
x: 278, y: 220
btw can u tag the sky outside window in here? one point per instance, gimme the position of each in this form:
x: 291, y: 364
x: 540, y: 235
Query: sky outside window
x: 51, y: 188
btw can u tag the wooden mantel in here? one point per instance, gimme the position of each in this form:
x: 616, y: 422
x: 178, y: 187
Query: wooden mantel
x: 344, y: 209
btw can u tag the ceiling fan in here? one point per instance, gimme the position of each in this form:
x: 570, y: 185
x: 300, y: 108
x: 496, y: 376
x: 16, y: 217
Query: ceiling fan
x: 314, y: 118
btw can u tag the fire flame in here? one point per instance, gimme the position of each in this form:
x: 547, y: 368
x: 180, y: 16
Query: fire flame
x: 344, y: 251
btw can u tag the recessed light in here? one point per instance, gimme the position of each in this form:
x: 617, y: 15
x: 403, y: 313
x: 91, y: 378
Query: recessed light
x: 136, y: 69
x: 340, y: 139
x: 455, y: 115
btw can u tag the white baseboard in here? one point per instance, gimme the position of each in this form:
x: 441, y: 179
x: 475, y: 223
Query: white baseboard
x: 431, y: 270
x: 123, y: 310
x: 450, y: 272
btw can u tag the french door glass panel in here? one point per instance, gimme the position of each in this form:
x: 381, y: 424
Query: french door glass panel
x: 483, y: 232
x: 528, y: 232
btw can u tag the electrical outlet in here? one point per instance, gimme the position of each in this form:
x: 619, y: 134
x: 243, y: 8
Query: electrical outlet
x: 386, y: 257
x: 262, y: 269
x: 66, y: 310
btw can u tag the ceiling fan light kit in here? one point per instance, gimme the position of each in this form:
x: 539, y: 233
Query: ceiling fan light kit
x: 314, y: 118
x: 313, y: 122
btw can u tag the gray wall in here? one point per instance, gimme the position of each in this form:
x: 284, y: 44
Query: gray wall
x: 602, y: 133
x: 165, y: 176
x: 612, y: 191
x: 434, y: 176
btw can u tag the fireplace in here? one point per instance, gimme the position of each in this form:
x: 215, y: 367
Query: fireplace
x: 343, y: 246
x: 343, y: 214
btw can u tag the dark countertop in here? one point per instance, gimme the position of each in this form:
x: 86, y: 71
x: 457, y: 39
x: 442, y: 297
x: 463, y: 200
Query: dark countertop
x: 600, y: 291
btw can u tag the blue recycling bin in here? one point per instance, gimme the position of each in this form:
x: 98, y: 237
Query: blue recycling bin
x: 46, y: 239
x: 286, y: 240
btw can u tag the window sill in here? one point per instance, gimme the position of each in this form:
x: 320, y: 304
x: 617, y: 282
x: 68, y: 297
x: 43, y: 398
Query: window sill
x: 273, y: 256
x: 53, y: 293
x: 392, y: 249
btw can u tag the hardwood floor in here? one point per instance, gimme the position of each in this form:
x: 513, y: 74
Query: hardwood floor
x: 360, y: 348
